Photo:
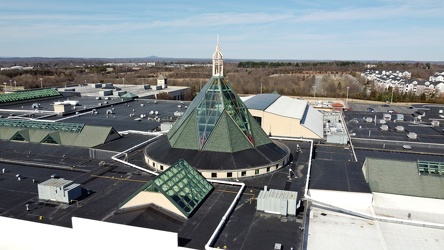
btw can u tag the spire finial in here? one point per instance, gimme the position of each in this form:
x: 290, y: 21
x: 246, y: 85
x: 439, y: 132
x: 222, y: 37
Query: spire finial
x: 218, y: 61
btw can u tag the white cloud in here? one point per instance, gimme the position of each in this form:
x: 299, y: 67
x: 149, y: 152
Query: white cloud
x: 392, y: 10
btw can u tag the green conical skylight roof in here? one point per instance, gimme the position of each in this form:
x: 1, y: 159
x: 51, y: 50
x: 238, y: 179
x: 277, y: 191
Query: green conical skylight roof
x: 217, y: 120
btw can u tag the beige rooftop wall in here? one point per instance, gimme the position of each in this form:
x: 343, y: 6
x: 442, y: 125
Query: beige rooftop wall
x: 158, y: 199
x: 277, y: 125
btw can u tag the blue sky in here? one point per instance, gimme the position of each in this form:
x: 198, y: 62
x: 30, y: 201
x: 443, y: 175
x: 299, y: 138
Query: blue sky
x: 293, y: 30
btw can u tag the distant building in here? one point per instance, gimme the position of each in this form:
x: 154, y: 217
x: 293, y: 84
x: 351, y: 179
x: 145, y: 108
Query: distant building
x: 162, y: 81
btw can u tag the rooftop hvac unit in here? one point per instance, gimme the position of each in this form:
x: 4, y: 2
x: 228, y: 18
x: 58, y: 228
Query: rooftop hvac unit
x: 412, y: 135
x: 399, y: 128
x: 399, y: 117
x: 178, y: 113
x: 435, y: 123
x: 275, y: 201
x: 369, y: 119
x: 382, y: 121
x: 384, y: 127
x: 387, y: 117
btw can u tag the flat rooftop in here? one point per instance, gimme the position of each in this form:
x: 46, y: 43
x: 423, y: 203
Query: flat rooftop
x: 111, y: 184
x: 139, y: 90
x: 139, y: 114
x: 333, y: 168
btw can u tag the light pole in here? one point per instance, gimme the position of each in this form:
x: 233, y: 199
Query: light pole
x: 15, y: 85
x: 314, y: 93
x: 346, y: 100
x: 41, y: 83
x: 10, y: 84
x: 123, y: 79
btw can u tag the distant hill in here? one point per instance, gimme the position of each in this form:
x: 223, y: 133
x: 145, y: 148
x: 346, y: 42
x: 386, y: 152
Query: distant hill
x: 8, y: 61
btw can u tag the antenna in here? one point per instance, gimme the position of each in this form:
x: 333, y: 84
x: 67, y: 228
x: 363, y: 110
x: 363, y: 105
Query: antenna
x: 217, y: 39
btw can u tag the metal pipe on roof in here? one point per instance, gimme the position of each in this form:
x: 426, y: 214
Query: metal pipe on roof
x: 309, y: 159
x: 228, y: 213
x: 115, y: 157
x: 349, y: 139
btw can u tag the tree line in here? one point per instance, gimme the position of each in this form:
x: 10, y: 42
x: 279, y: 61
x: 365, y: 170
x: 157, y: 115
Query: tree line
x: 323, y: 79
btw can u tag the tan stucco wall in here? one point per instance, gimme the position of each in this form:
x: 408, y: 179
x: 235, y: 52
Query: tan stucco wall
x: 235, y: 174
x: 146, y: 198
x: 277, y: 125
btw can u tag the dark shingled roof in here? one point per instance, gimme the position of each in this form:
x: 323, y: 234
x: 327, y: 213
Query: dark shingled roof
x: 162, y: 151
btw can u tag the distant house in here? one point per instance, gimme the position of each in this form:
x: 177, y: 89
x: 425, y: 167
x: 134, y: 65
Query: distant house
x: 439, y: 88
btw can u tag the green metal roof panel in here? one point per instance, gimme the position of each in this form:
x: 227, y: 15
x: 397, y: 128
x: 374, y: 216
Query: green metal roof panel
x: 183, y: 185
x: 402, y: 178
x: 37, y: 135
x: 260, y: 137
x: 239, y: 140
x: 59, y: 126
x: 92, y: 136
x: 8, y: 132
x: 28, y: 95
x: 186, y: 136
x: 220, y: 140
x: 69, y: 134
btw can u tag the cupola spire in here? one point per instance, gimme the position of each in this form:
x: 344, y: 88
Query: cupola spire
x: 218, y: 61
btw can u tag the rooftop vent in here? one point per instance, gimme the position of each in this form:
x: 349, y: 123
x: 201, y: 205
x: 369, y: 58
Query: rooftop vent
x: 412, y: 135
x: 387, y: 117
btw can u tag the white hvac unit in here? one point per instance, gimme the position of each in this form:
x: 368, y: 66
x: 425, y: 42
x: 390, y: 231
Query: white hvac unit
x: 387, y: 117
x: 382, y: 121
x: 399, y: 128
x: 59, y: 190
x: 369, y: 119
x: 178, y: 113
x: 384, y: 127
x: 166, y: 126
x: 399, y: 117
x: 412, y: 135
x: 275, y: 201
x: 435, y: 123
